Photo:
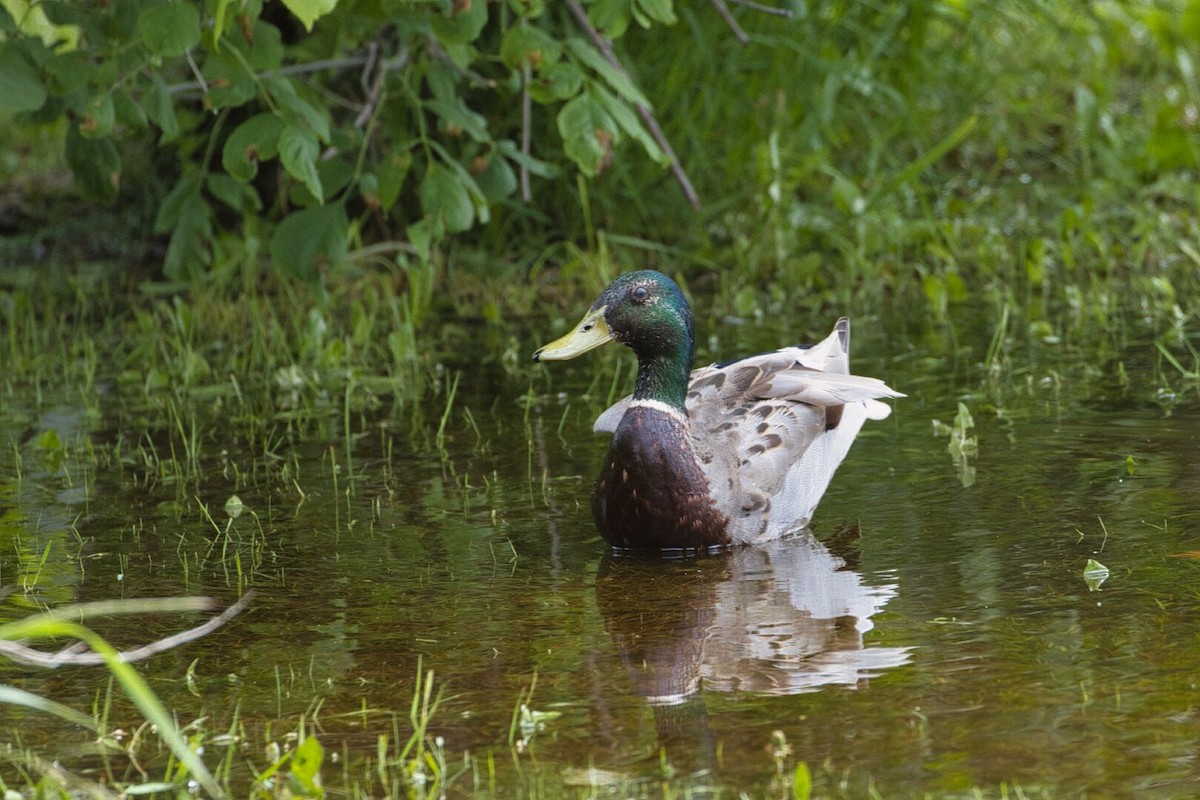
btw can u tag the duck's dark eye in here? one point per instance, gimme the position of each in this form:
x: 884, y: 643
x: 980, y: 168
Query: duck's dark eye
x: 639, y: 294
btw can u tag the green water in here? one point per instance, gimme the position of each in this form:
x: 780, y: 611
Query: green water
x: 936, y: 634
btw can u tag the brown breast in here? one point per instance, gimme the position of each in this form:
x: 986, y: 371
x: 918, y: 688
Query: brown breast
x: 651, y: 492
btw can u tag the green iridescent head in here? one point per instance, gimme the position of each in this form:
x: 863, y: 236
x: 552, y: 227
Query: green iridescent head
x: 645, y: 311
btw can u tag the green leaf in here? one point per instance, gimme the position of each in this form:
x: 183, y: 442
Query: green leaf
x: 97, y: 117
x: 444, y: 196
x: 169, y: 28
x: 497, y: 180
x: 129, y: 113
x: 610, y: 17
x: 392, y: 171
x: 11, y: 695
x: 530, y: 9
x: 309, y: 243
x: 95, y: 164
x: 455, y: 116
x: 264, y: 51
x: 802, y: 782
x: 647, y: 12
x: 462, y: 24
x: 297, y: 110
x: 170, y: 210
x: 230, y: 83
x: 528, y: 46
x: 188, y: 217
x: 614, y: 77
x: 629, y: 121
x: 21, y: 88
x: 298, y: 151
x: 309, y: 11
x: 589, y: 134
x: 255, y: 140
x: 306, y: 764
x: 69, y: 71
x: 1094, y: 574
x: 423, y: 235
x: 560, y: 81
x: 241, y: 197
x: 220, y: 19
x: 49, y: 441
x: 542, y: 169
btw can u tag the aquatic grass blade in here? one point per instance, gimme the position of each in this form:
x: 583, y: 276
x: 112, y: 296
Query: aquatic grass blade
x: 11, y: 695
x: 47, y: 626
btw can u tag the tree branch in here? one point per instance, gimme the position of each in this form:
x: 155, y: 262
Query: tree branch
x: 526, y: 133
x: 723, y: 10
x: 606, y: 49
x: 290, y: 69
x: 76, y: 654
x: 765, y: 9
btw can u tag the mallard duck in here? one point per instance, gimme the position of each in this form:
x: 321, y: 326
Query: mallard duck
x: 733, y: 453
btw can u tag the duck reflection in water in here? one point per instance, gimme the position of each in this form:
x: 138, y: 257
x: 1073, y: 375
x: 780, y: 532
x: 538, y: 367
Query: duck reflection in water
x: 779, y: 619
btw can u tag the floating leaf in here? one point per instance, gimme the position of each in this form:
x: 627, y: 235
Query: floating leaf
x: 48, y: 440
x: 1094, y: 574
x: 234, y: 506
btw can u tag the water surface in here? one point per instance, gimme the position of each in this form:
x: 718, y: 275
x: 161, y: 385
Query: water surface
x: 932, y: 634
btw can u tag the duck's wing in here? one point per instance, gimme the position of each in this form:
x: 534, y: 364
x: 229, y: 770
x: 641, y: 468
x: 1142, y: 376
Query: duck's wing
x: 770, y: 430
x: 611, y: 417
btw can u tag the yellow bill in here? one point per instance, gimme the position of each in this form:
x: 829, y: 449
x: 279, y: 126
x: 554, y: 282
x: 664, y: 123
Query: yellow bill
x: 591, y: 332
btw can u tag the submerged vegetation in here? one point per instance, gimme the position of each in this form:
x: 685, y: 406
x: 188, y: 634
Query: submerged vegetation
x: 298, y: 264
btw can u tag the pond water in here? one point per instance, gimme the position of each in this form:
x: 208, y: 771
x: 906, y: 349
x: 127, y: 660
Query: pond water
x: 935, y: 634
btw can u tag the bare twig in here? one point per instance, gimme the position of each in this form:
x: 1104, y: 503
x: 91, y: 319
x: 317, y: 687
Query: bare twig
x: 290, y: 69
x: 76, y: 654
x: 437, y: 51
x: 526, y: 133
x: 364, y: 80
x: 765, y: 9
x: 723, y: 10
x: 375, y: 93
x: 605, y: 47
x: 200, y: 84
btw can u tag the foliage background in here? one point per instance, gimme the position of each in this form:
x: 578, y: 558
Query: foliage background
x: 850, y: 149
